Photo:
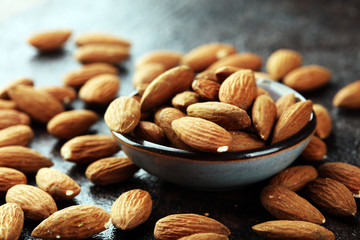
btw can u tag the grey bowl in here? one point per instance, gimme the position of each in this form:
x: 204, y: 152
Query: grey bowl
x: 219, y: 171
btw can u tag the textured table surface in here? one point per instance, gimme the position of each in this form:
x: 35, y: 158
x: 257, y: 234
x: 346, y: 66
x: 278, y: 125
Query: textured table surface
x: 324, y: 32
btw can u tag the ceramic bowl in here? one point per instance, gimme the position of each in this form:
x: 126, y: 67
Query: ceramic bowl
x: 219, y: 171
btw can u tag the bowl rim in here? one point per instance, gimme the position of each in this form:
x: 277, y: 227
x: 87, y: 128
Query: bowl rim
x: 307, y: 130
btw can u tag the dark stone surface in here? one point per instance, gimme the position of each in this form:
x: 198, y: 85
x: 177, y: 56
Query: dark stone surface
x: 324, y: 32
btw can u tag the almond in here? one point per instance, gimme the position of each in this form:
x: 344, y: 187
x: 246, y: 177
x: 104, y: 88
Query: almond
x: 20, y: 81
x: 164, y: 87
x: 36, y: 204
x: 16, y: 135
x: 123, y: 114
x: 292, y: 121
x: 264, y: 116
x: 205, y: 236
x: 63, y: 94
x: 239, y: 89
x: 245, y: 60
x: 100, y: 89
x: 315, y: 150
x: 285, y: 204
x: 226, y: 115
x: 284, y: 103
x: 331, y: 196
x: 307, y: 78
x: 224, y: 72
x: 103, y: 38
x: 262, y: 75
x: 11, y: 221
x: 208, y: 74
x: 261, y: 91
x: 49, y: 40
x: 180, y: 225
x: 59, y: 185
x: 110, y: 170
x: 203, y: 56
x: 202, y: 134
x: 103, y: 53
x: 39, y: 105
x: 69, y: 124
x: 295, y: 178
x: 10, y: 117
x: 207, y: 89
x: 348, y: 96
x: 245, y: 141
x: 296, y: 230
x: 151, y: 132
x: 10, y: 177
x: 283, y: 61
x: 347, y: 174
x: 75, y: 222
x: 323, y: 121
x: 7, y: 104
x: 23, y: 159
x: 88, y: 148
x: 184, y: 99
x: 167, y: 58
x: 145, y: 75
x: 79, y: 77
x: 131, y: 209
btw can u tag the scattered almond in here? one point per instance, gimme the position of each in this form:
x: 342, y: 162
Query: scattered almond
x: 184, y: 99
x: 264, y: 116
x: 20, y: 81
x: 49, y: 40
x: 245, y: 141
x: 16, y: 135
x: 11, y: 221
x: 348, y: 96
x: 103, y: 38
x: 284, y: 103
x: 283, y: 61
x: 208, y: 74
x: 145, y: 75
x: 10, y: 117
x: 207, y: 89
x: 103, y: 53
x: 149, y: 131
x: 224, y: 72
x: 167, y: 58
x: 315, y: 150
x: 10, y: 177
x: 323, y: 121
x: 63, y: 94
x: 245, y: 60
x: 205, y: 236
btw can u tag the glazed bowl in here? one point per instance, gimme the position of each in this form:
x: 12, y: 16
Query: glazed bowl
x: 219, y: 171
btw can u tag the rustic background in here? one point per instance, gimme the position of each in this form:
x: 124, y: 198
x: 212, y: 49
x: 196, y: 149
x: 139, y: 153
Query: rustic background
x: 324, y: 32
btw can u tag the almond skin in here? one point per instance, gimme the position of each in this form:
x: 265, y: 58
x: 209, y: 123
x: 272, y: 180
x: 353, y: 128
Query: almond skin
x: 208, y: 74
x: 180, y: 225
x: 20, y: 81
x: 264, y: 116
x: 69, y: 124
x: 75, y: 222
x: 103, y: 38
x: 10, y: 117
x: 63, y: 94
x: 283, y: 61
x: 20, y: 135
x: 151, y: 132
x: 103, y: 53
x: 223, y: 73
x: 145, y: 75
x: 207, y: 89
x: 205, y: 236
x: 331, y: 196
x: 285, y: 204
x: 167, y: 58
x: 347, y: 174
x: 49, y: 40
x: 292, y: 121
x: 284, y: 103
x: 7, y: 104
x: 182, y: 100
x: 10, y: 177
x: 203, y: 56
x: 245, y: 141
x: 315, y: 150
x: 202, y: 134
x: 123, y: 114
x: 11, y: 221
x: 36, y: 203
x: 348, y: 96
x: 295, y: 178
x: 59, y: 185
x: 131, y: 209
x: 323, y: 121
x: 245, y: 60
x: 296, y: 230
x: 88, y: 148
x: 111, y: 170
x: 39, y: 105
x: 307, y: 78
x: 23, y: 159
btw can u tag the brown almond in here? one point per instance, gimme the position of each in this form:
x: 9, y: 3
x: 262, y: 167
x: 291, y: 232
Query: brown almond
x: 347, y: 174
x: 10, y: 177
x: 348, y: 96
x: 295, y: 178
x: 226, y: 115
x: 207, y: 89
x: 145, y: 75
x: 285, y: 204
x: 110, y: 170
x: 283, y: 61
x: 59, y: 185
x: 131, y: 209
x: 224, y: 72
x: 69, y: 124
x: 88, y: 148
x: 207, y: 74
x: 184, y: 99
x: 296, y: 230
x: 123, y: 114
x: 10, y: 117
x: 180, y: 225
x: 245, y: 60
x: 205, y: 236
x: 203, y: 56
x: 49, y: 40
x: 39, y: 105
x: 11, y: 220
x: 264, y: 116
x: 239, y: 89
x: 315, y: 150
x: 245, y: 141
x: 63, y: 94
x: 16, y: 135
x: 167, y: 58
x: 284, y: 103
x: 23, y: 159
x: 100, y: 90
x: 20, y: 81
x: 165, y: 86
x: 75, y: 222
x: 149, y: 131
x: 202, y: 134
x: 102, y: 38
x: 7, y: 104
x: 292, y: 121
x: 36, y: 203
x: 261, y: 91
x: 307, y: 78
x: 323, y: 121
x: 103, y: 53
x: 331, y: 196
